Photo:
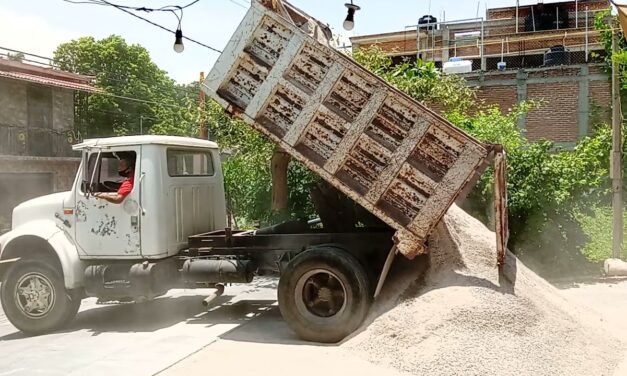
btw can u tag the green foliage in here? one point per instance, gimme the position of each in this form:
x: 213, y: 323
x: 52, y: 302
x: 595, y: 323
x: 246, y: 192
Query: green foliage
x: 18, y: 56
x: 545, y: 186
x: 420, y: 80
x: 596, y: 224
x: 122, y: 71
x: 247, y: 176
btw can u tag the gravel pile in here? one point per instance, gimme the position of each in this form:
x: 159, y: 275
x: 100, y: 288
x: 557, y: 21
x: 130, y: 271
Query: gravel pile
x: 462, y: 317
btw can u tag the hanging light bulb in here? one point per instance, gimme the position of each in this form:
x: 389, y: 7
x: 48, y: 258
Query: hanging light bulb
x: 349, y: 22
x: 178, y: 42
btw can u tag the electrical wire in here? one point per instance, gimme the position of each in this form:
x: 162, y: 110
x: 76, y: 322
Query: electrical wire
x: 239, y: 4
x: 127, y: 9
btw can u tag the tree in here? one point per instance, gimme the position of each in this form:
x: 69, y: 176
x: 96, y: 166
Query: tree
x: 137, y: 91
x: 18, y: 56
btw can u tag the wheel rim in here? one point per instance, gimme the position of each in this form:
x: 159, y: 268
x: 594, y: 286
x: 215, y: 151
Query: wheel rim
x: 320, y: 293
x: 34, y: 295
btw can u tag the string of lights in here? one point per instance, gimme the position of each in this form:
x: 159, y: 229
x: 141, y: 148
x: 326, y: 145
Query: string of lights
x: 178, y: 33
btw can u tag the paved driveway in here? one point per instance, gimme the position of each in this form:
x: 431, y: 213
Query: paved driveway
x: 134, y: 339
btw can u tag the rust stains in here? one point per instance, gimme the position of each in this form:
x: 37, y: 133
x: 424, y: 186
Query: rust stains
x: 309, y: 68
x: 384, y: 150
x: 106, y: 226
x: 81, y: 212
x: 282, y: 110
x: 269, y: 40
x: 349, y: 96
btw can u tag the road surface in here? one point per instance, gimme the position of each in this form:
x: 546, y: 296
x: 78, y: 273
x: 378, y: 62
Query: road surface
x: 241, y: 334
x: 134, y: 339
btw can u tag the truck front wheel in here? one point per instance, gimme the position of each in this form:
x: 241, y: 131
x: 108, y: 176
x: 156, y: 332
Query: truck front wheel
x: 324, y: 294
x: 34, y: 298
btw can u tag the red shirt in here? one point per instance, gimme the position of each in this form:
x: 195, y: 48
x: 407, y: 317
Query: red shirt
x: 127, y: 186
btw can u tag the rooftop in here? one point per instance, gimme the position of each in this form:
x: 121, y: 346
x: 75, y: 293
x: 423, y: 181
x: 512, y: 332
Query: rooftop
x: 18, y: 70
x: 145, y: 140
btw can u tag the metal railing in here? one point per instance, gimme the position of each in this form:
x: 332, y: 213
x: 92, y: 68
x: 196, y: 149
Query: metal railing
x: 490, y: 42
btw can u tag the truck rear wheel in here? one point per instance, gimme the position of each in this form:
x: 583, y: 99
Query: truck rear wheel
x: 324, y: 294
x: 34, y: 298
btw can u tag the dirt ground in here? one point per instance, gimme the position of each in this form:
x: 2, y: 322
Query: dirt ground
x: 608, y: 297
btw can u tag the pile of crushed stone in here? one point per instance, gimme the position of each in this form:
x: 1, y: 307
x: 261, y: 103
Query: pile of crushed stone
x: 463, y: 317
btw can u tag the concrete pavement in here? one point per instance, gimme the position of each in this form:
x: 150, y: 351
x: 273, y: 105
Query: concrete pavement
x: 133, y: 339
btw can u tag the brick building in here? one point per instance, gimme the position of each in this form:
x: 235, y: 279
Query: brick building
x: 572, y: 85
x: 36, y: 131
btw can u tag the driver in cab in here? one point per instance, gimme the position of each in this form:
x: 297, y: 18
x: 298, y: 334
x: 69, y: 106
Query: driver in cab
x: 126, y: 169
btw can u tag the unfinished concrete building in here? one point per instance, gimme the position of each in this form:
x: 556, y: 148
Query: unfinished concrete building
x: 547, y: 51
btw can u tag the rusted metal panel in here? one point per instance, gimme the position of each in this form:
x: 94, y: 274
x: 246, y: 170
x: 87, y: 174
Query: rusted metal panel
x: 500, y: 206
x: 392, y: 155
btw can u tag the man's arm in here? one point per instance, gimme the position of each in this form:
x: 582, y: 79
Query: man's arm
x: 112, y: 197
x: 116, y: 197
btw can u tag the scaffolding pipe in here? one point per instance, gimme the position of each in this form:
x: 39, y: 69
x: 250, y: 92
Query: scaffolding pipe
x: 481, y: 51
x: 533, y: 19
x: 502, y: 49
x: 586, y: 34
x: 576, y: 14
x: 517, y: 5
x: 432, y: 43
x: 557, y: 17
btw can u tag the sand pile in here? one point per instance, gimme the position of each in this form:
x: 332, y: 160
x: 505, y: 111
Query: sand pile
x: 463, y: 318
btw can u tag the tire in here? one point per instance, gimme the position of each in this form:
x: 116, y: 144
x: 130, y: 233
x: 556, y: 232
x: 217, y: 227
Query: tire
x: 49, y: 313
x: 324, y: 294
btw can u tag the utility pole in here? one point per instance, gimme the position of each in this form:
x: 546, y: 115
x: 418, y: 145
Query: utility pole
x: 203, y: 134
x: 615, y: 162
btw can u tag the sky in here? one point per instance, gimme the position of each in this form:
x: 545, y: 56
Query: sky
x: 39, y: 26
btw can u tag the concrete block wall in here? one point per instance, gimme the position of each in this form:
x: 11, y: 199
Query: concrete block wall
x: 574, y: 99
x: 14, y: 118
x: 13, y: 103
x: 63, y: 170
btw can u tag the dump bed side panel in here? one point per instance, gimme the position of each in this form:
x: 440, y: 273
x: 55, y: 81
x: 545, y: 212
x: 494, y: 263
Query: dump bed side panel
x: 386, y: 151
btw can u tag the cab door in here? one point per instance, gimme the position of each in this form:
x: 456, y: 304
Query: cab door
x: 104, y: 229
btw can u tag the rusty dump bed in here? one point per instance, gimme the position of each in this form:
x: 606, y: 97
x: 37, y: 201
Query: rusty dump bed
x: 392, y: 155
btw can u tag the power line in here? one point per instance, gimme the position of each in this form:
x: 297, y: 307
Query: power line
x: 125, y: 9
x: 239, y: 4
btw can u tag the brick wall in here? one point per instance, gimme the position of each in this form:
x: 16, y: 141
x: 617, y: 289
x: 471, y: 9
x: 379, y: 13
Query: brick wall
x: 600, y: 103
x: 524, y: 11
x: 575, y: 98
x: 505, y: 97
x: 557, y: 119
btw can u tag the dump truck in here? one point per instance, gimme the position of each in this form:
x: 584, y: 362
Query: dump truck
x: 401, y: 164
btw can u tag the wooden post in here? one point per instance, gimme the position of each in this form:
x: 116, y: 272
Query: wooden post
x: 203, y: 133
x: 615, y: 163
x: 279, y: 164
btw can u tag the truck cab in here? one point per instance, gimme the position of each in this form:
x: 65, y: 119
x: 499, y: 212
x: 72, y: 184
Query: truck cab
x: 71, y: 244
x: 178, y: 191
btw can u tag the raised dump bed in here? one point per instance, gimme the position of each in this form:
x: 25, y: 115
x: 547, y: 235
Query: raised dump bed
x: 392, y: 155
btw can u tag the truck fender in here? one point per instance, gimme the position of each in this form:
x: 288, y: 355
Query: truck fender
x: 59, y: 245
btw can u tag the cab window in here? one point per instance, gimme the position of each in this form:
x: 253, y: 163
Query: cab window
x: 104, y: 170
x: 189, y: 163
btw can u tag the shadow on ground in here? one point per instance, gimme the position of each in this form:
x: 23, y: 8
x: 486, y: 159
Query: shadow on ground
x: 162, y: 313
